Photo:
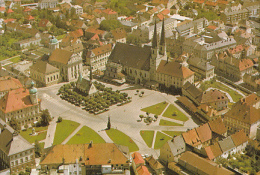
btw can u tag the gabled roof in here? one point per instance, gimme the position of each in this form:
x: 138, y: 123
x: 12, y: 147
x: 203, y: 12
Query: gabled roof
x: 217, y: 126
x: 251, y: 99
x: 44, y: 67
x: 60, y: 56
x: 12, y: 143
x: 142, y: 170
x: 90, y: 154
x: 9, y: 11
x: 239, y: 138
x: 191, y: 138
x: 213, y: 95
x: 131, y: 56
x: 137, y: 158
x: 155, y: 164
x: 118, y: 33
x: 195, y: 92
x: 103, y: 49
x: 43, y: 22
x: 9, y: 83
x: 174, y: 69
x: 213, y: 151
x: 204, y: 132
x: 226, y: 144
x: 177, y: 145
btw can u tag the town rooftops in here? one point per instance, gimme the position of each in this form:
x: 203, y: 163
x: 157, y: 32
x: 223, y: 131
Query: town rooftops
x: 8, y: 83
x: 251, y: 99
x: 11, y: 142
x: 226, y: 144
x: 217, y: 126
x: 137, y: 158
x: 195, y: 92
x: 155, y: 164
x: 200, y: 63
x: 174, y: 69
x: 204, y: 132
x: 213, y: 95
x: 191, y: 138
x: 204, y: 166
x: 142, y: 170
x: 60, y: 56
x: 213, y: 151
x: 44, y: 67
x: 89, y: 154
x: 132, y: 56
x: 102, y: 50
x: 15, y: 100
x: 177, y: 145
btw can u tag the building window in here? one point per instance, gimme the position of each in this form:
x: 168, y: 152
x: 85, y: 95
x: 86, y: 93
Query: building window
x: 21, y: 160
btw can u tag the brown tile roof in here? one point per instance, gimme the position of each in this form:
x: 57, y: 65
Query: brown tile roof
x: 213, y: 95
x: 155, y: 164
x: 210, y: 3
x: 118, y: 33
x: 75, y: 48
x: 217, y: 126
x: 191, y: 137
x: 9, y: 11
x: 213, y: 151
x: 109, y: 11
x: 203, y: 165
x: 251, y: 99
x: 8, y: 83
x: 137, y: 158
x: 131, y: 56
x: 60, y: 56
x: 244, y: 113
x: 94, y: 30
x: 44, y: 67
x: 103, y: 49
x: 204, y: 133
x: 195, y: 92
x: 239, y: 138
x: 142, y: 170
x: 174, y: 69
x: 15, y: 100
x: 188, y: 103
x: 43, y: 22
x: 97, y: 154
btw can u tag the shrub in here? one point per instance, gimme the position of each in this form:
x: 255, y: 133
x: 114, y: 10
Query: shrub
x: 59, y: 119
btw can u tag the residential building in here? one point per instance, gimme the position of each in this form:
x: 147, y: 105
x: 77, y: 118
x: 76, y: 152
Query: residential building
x: 109, y: 14
x: 45, y: 23
x: 78, y: 9
x: 21, y: 104
x: 227, y: 147
x: 167, y: 3
x: 157, y: 167
x: 252, y: 81
x: 244, y: 114
x: 119, y: 35
x: 230, y: 67
x: 103, y: 158
x: 44, y: 4
x: 16, y: 153
x: 142, y: 170
x: 201, y: 67
x: 240, y: 141
x: 8, y: 83
x: 172, y: 149
x: 198, y: 165
x: 192, y: 92
x: 68, y: 61
x: 232, y: 16
x: 98, y: 57
x: 114, y: 73
x: 213, y: 152
x: 44, y: 73
x: 192, y: 139
x: 137, y: 162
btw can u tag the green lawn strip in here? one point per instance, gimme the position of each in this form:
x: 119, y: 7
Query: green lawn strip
x: 172, y: 133
x: 85, y: 135
x: 179, y: 115
x: 160, y: 140
x: 42, y: 145
x: 15, y: 59
x: 120, y: 138
x: 168, y: 123
x: 30, y: 138
x: 60, y: 36
x: 156, y: 109
x: 63, y: 130
x: 148, y: 137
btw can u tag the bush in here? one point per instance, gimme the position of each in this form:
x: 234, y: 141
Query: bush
x: 59, y: 119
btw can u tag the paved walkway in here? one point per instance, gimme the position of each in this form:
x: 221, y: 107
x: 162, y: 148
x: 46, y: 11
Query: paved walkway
x: 72, y: 134
x: 50, y: 134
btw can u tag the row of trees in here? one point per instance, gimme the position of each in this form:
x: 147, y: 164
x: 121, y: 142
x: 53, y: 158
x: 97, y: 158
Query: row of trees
x: 99, y: 102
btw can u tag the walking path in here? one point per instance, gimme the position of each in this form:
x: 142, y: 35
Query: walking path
x: 154, y: 137
x: 50, y: 134
x: 72, y: 134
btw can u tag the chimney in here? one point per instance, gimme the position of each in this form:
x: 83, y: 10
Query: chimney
x: 90, y: 144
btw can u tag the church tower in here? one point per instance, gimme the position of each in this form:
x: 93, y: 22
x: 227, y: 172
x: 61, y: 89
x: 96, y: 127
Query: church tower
x: 54, y: 44
x: 154, y: 61
x: 162, y: 46
x: 33, y: 94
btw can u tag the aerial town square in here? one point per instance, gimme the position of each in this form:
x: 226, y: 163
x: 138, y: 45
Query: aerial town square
x: 129, y: 87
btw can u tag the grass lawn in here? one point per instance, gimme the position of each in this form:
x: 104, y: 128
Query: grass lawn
x: 160, y: 140
x: 235, y: 96
x: 42, y: 131
x: 63, y: 130
x: 85, y: 135
x: 120, y: 138
x: 148, y: 137
x: 168, y: 123
x: 156, y: 109
x: 179, y: 115
x: 15, y: 59
x: 173, y: 133
x: 60, y: 36
x: 42, y: 145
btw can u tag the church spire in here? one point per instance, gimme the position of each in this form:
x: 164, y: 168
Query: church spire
x: 162, y: 42
x: 154, y: 43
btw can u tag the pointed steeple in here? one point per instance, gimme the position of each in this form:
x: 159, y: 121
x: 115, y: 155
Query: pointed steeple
x: 154, y: 43
x: 90, y: 74
x: 162, y: 42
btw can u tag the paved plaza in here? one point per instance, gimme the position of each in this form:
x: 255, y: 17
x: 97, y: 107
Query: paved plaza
x: 124, y: 118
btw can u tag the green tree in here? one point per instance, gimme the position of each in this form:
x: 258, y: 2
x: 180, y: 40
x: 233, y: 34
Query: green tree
x: 38, y: 149
x: 156, y: 116
x: 108, y: 123
x: 59, y: 119
x: 141, y: 117
x: 45, y: 117
x: 14, y: 124
x: 109, y: 25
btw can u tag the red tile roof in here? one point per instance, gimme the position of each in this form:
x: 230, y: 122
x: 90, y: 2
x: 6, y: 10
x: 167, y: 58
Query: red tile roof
x: 2, y: 9
x: 137, y: 158
x: 238, y: 48
x: 199, y: 1
x: 109, y: 11
x: 8, y: 83
x: 245, y: 64
x: 222, y: 2
x: 142, y: 170
x: 251, y: 99
x: 9, y: 11
x: 210, y: 3
x: 213, y: 95
x: 204, y: 132
x: 239, y: 138
x: 213, y: 151
x: 212, y: 27
x: 217, y: 126
x: 101, y: 50
x: 15, y: 100
x: 191, y: 137
x: 30, y: 17
x: 9, y: 20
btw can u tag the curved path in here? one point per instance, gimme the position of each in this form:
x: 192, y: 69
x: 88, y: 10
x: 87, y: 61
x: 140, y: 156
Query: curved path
x: 123, y: 118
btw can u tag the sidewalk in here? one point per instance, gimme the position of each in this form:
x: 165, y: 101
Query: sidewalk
x: 72, y: 134
x: 50, y: 134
